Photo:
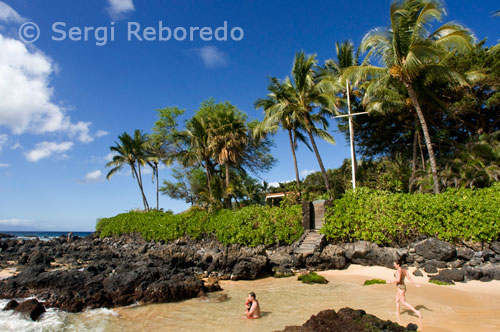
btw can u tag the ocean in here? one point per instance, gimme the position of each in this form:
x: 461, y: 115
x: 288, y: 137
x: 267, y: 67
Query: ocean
x: 44, y: 235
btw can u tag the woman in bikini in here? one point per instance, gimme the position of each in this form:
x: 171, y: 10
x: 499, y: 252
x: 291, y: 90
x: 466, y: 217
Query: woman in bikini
x: 399, y: 280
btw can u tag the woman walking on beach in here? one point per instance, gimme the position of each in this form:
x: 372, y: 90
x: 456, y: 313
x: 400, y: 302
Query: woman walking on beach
x: 399, y: 280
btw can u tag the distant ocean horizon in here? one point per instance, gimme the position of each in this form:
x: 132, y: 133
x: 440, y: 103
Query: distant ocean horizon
x: 44, y: 234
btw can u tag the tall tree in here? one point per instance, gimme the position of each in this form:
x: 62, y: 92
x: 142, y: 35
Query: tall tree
x: 312, y: 97
x: 162, y: 143
x: 228, y: 139
x: 196, y: 148
x: 130, y: 151
x: 413, y: 56
x: 278, y: 112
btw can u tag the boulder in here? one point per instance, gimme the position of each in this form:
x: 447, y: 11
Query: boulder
x: 248, y: 268
x: 30, y: 308
x: 433, y: 248
x: 366, y: 253
x: 495, y: 246
x: 430, y: 268
x: 11, y: 305
x: 451, y: 275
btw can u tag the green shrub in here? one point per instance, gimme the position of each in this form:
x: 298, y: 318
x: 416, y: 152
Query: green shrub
x: 312, y: 278
x: 441, y: 283
x: 374, y: 281
x: 250, y: 226
x: 387, y: 218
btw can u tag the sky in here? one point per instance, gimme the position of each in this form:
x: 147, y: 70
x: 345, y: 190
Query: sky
x: 66, y: 92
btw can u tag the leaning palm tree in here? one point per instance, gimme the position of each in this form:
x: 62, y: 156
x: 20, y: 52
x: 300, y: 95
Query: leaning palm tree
x: 413, y: 56
x: 130, y: 151
x: 279, y: 113
x: 312, y: 97
x: 227, y: 136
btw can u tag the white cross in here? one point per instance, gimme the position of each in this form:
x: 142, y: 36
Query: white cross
x: 351, y: 133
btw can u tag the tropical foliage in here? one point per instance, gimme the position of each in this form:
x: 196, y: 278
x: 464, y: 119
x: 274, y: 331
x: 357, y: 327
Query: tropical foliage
x: 251, y: 226
x: 387, y: 218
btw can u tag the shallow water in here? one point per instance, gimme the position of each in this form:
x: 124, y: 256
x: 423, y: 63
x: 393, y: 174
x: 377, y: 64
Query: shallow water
x: 283, y: 302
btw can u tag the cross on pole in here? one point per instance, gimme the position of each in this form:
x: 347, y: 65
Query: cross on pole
x: 351, y: 133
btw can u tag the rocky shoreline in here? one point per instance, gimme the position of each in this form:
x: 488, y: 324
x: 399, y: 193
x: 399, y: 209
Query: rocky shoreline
x: 93, y: 273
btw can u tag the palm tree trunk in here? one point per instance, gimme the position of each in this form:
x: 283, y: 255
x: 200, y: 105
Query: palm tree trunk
x: 292, y: 146
x: 208, y: 180
x: 323, y: 171
x: 134, y: 172
x: 413, y: 160
x: 427, y: 137
x: 139, y: 179
x: 228, y: 196
x: 157, y: 189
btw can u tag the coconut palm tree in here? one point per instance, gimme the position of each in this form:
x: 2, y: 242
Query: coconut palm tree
x: 228, y: 138
x: 279, y: 113
x: 312, y: 97
x: 412, y: 55
x: 196, y: 147
x: 155, y: 155
x: 130, y: 151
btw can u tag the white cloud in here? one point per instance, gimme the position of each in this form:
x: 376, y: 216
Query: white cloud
x: 46, y: 149
x: 26, y: 96
x: 4, y: 165
x: 277, y: 184
x: 3, y: 140
x: 212, y: 57
x: 109, y: 156
x: 101, y: 133
x: 7, y: 14
x: 306, y: 172
x: 93, y: 176
x: 119, y: 8
x: 14, y: 222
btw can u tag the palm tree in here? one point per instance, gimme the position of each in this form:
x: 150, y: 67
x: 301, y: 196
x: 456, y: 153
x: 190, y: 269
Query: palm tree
x: 155, y: 154
x: 227, y: 137
x: 197, y: 150
x: 130, y: 151
x: 309, y: 91
x: 412, y: 55
x: 278, y: 112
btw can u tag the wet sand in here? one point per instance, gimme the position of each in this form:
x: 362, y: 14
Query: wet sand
x: 469, y: 307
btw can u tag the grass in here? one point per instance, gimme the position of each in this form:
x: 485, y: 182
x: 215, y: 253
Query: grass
x: 374, y: 281
x: 312, y: 278
x: 441, y: 283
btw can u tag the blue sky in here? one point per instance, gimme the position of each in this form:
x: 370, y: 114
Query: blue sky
x: 63, y: 103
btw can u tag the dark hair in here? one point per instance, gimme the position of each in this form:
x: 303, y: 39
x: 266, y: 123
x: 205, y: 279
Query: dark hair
x: 398, y: 261
x: 252, y: 294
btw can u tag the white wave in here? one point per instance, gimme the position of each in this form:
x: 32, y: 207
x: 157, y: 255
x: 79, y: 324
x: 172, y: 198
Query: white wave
x: 53, y: 320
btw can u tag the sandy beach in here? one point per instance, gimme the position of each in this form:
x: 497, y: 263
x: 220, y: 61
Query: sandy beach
x: 467, y: 307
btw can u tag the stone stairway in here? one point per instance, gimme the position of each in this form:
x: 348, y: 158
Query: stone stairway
x: 310, y: 242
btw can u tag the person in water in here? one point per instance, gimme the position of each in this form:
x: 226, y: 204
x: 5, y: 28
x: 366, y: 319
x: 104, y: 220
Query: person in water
x: 399, y: 280
x: 252, y: 307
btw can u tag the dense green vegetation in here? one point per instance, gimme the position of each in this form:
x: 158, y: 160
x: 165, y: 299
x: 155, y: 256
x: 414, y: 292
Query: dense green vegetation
x: 250, y: 226
x: 385, y: 218
x: 312, y: 278
x: 374, y: 282
x: 429, y: 123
